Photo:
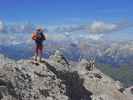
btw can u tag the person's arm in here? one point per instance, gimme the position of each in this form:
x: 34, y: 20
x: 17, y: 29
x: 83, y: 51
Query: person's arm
x: 34, y: 36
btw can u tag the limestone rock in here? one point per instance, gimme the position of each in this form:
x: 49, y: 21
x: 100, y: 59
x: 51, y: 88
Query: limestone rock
x: 55, y: 79
x: 129, y: 92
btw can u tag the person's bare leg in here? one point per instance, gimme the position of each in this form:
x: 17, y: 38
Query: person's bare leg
x: 36, y: 54
x: 40, y: 54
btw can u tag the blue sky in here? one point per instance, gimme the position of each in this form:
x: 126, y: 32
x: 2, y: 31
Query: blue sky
x: 51, y: 12
x: 98, y: 16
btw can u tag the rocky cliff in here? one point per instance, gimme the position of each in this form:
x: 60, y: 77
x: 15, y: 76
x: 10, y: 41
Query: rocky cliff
x: 57, y: 79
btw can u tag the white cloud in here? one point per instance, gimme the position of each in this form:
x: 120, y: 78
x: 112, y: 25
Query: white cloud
x: 16, y: 28
x: 20, y: 28
x: 60, y: 32
x: 95, y: 36
x: 2, y: 26
x: 68, y: 28
x: 102, y: 27
x: 96, y: 27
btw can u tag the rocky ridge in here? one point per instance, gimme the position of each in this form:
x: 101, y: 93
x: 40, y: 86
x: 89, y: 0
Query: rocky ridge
x: 57, y: 79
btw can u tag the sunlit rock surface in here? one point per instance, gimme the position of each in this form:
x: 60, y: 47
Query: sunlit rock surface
x: 57, y: 79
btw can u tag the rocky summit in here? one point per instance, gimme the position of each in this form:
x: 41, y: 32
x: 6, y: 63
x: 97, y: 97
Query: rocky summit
x: 57, y: 78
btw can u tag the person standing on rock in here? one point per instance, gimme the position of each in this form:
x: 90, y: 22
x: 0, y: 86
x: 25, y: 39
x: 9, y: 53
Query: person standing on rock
x: 38, y: 37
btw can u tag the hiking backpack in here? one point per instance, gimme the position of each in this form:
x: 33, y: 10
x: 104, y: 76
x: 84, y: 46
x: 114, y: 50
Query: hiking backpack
x: 38, y: 36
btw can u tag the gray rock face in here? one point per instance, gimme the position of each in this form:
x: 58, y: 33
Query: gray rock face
x: 55, y: 79
x: 129, y: 91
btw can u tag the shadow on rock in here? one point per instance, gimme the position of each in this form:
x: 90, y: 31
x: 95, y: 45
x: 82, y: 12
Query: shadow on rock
x: 73, y: 82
